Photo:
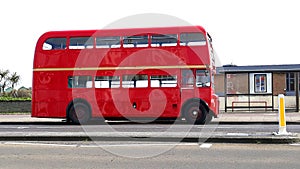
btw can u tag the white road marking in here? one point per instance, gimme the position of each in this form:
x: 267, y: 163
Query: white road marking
x: 141, y: 145
x: 237, y: 134
x: 40, y: 144
x: 22, y: 127
x: 205, y: 145
x: 295, y: 144
x: 101, y: 145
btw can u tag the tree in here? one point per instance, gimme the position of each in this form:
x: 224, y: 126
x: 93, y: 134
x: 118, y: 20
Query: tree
x: 4, y: 76
x: 14, y: 79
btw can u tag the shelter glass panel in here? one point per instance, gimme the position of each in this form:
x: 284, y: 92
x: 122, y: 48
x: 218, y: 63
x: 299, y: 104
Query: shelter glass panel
x: 237, y: 83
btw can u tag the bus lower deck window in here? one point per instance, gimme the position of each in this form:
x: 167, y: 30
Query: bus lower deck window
x: 202, y: 78
x: 107, y: 81
x: 80, y: 82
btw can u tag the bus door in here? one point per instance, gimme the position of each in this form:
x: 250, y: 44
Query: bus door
x: 187, y: 84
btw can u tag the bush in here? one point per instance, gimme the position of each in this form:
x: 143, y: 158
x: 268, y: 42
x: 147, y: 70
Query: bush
x: 9, y: 99
x: 24, y: 93
x: 15, y: 94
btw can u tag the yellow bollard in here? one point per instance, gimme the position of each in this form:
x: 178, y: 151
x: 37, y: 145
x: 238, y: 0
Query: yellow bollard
x: 281, y: 116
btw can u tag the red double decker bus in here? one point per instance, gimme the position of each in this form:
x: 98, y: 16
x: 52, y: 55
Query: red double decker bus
x: 149, y: 73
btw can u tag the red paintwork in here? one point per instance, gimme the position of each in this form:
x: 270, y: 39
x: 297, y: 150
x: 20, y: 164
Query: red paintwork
x: 51, y: 94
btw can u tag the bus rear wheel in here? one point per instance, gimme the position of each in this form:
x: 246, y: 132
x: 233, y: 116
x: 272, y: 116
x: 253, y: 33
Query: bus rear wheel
x: 79, y: 113
x: 195, y: 113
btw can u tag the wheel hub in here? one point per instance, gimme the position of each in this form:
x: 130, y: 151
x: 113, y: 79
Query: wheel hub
x: 195, y: 113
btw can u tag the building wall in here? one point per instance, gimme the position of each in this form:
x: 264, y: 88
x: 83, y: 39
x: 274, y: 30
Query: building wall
x: 219, y: 84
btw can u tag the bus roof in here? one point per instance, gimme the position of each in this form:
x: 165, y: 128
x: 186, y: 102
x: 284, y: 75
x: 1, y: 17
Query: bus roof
x: 126, y: 31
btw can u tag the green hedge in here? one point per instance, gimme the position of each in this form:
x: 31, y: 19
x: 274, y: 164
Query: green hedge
x: 9, y: 99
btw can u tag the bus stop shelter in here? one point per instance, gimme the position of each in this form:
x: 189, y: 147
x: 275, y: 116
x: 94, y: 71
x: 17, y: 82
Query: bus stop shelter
x: 257, y: 87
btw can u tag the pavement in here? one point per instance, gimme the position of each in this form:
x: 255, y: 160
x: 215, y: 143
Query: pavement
x: 256, y: 117
x: 224, y: 118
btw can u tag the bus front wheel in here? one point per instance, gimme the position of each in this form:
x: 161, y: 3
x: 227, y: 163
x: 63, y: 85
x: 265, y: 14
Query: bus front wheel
x: 195, y: 113
x: 79, y: 113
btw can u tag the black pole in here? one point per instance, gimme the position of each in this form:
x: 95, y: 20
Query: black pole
x: 249, y: 93
x: 297, y: 91
x: 272, y: 92
x: 225, y: 90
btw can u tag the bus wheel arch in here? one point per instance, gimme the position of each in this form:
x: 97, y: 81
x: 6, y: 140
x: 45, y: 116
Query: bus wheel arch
x: 195, y: 111
x: 79, y: 111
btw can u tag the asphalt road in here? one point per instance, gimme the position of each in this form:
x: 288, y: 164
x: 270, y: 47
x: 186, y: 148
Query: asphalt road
x: 27, y: 155
x: 154, y: 127
x: 167, y: 132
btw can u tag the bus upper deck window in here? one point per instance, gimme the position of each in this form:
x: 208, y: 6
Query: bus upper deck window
x: 55, y: 44
x: 135, y: 41
x: 108, y: 42
x: 164, y: 40
x: 192, y: 39
x: 81, y: 43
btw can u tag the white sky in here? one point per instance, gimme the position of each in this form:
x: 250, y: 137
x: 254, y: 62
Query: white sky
x: 245, y: 32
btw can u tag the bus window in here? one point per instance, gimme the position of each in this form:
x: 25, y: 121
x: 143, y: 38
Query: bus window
x: 164, y: 40
x: 134, y: 81
x: 135, y: 41
x: 192, y: 39
x: 202, y: 78
x: 81, y: 43
x: 107, y: 81
x: 163, y: 81
x: 187, y: 78
x: 80, y: 82
x: 55, y: 44
x: 108, y: 42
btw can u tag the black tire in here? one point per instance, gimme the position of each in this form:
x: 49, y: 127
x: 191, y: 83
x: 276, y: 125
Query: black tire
x: 195, y: 113
x: 79, y: 113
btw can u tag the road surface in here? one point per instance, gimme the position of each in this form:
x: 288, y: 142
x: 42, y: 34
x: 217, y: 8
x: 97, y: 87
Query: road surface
x: 27, y: 155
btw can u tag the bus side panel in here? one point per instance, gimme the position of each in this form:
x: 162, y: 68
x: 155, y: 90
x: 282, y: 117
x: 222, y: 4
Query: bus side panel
x: 48, y: 109
x: 206, y: 94
x: 51, y: 59
x: 195, y: 55
x: 105, y: 106
x: 172, y: 105
x: 215, y: 106
x: 48, y: 104
x: 137, y: 102
x: 153, y: 103
x: 49, y: 94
